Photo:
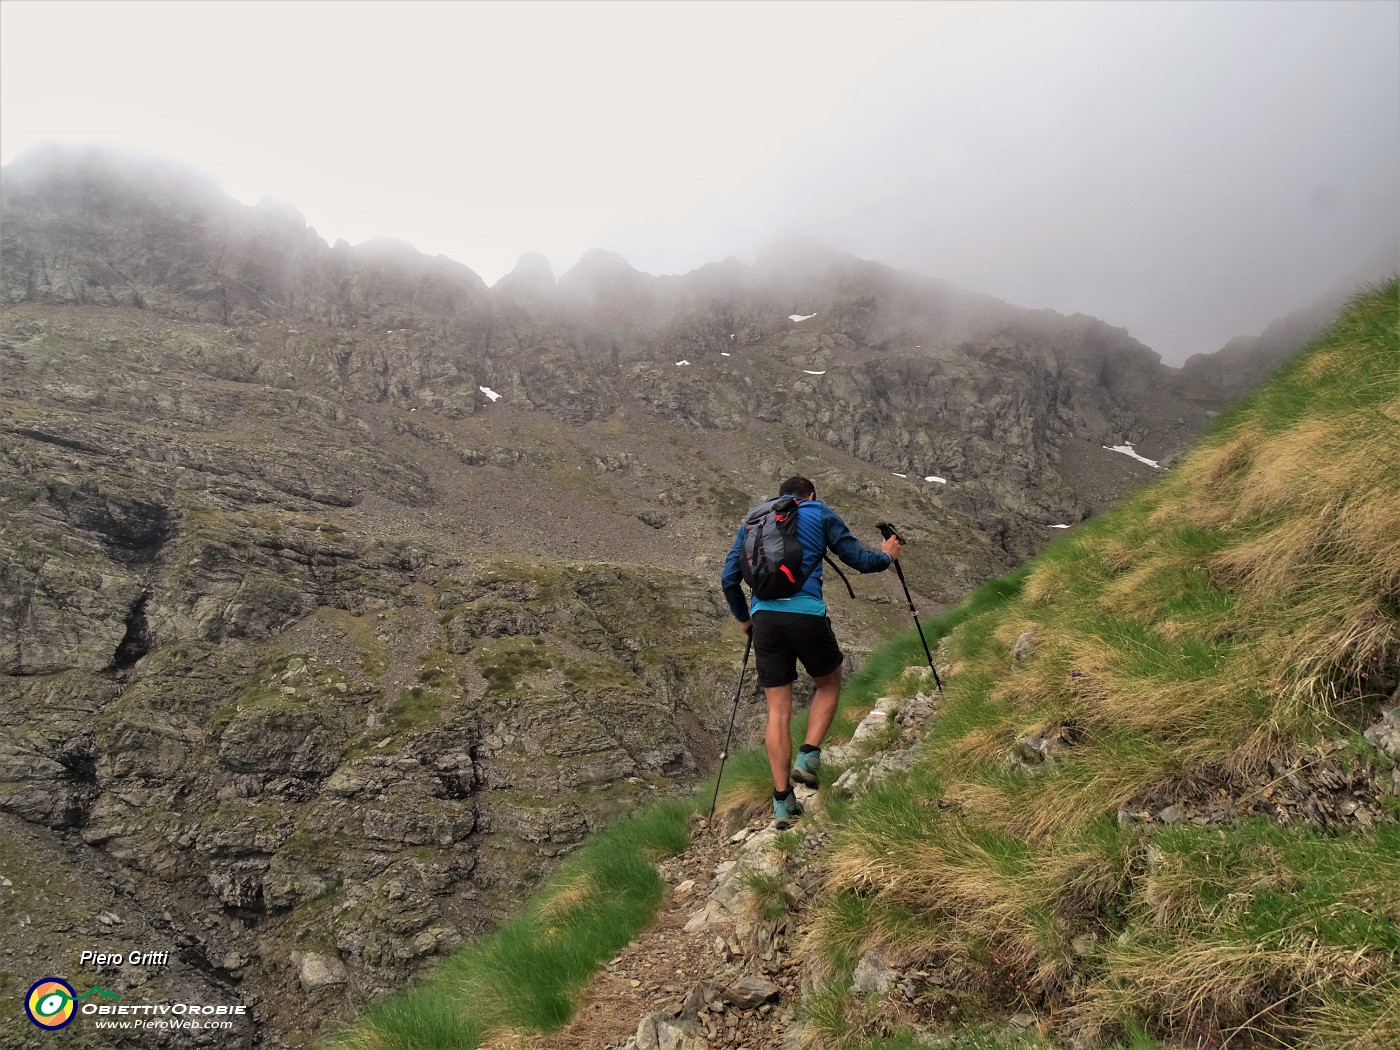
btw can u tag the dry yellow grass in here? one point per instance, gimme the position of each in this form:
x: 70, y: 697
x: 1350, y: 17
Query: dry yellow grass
x: 1012, y: 627
x: 1041, y: 681
x: 1372, y: 1023
x: 1141, y: 590
x: 569, y: 898
x: 510, y: 1039
x: 1060, y: 804
x: 986, y: 745
x: 955, y: 874
x: 1195, y: 984
x: 1048, y: 581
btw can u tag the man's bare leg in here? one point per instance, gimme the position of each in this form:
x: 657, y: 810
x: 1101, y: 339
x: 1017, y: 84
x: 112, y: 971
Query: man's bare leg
x: 828, y: 692
x: 777, y: 738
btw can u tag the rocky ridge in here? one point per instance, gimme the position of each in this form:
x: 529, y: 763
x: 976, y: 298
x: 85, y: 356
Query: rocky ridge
x: 1013, y: 408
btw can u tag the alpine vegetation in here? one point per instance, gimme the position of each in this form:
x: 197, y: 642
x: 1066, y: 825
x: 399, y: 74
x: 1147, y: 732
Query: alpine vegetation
x: 1161, y: 800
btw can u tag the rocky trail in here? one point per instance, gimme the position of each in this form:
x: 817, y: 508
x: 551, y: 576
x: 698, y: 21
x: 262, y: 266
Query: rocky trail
x: 722, y: 966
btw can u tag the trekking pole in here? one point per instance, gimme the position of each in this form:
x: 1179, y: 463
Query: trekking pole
x: 887, y: 530
x: 732, y: 715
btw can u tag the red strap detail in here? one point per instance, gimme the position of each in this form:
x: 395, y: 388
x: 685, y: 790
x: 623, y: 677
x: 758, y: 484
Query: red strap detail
x: 788, y: 573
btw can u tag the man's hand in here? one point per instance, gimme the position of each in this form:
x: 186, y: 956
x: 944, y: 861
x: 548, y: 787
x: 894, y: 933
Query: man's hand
x: 892, y: 547
x: 747, y: 626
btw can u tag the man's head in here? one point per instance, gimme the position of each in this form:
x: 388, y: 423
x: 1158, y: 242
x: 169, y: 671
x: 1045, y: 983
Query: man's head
x: 798, y: 486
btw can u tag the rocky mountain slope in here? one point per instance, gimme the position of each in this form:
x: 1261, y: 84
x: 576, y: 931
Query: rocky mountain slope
x: 339, y: 594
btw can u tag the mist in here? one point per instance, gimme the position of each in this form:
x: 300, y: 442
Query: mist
x: 1187, y: 171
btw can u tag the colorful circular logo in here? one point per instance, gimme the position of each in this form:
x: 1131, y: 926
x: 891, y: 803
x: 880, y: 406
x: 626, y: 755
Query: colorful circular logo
x: 50, y: 1003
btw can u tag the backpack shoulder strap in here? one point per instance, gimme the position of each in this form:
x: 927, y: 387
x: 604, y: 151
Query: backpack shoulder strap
x: 827, y: 558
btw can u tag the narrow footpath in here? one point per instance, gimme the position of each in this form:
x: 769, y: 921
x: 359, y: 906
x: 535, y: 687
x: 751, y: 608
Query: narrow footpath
x: 720, y: 968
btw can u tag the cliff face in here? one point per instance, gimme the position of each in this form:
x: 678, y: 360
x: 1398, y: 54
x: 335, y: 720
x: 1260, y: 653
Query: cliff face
x: 304, y: 675
x: 340, y: 594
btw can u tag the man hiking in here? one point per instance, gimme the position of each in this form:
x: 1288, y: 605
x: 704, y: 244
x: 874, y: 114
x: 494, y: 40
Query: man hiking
x: 788, y: 629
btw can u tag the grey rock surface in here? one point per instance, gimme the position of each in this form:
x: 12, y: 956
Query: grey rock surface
x: 1385, y: 734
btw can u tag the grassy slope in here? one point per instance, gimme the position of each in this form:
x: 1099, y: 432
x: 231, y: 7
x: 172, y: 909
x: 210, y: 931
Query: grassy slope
x: 1242, y: 610
x: 1229, y: 627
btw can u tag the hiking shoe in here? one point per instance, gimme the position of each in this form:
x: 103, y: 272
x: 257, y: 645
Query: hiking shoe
x: 786, y: 811
x: 807, y: 768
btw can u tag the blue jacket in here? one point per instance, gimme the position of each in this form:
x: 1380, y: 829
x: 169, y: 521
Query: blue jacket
x: 818, y: 529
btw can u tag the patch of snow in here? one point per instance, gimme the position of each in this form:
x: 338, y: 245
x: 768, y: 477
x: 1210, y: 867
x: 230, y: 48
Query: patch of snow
x: 935, y: 477
x: 490, y: 393
x: 800, y: 317
x: 1128, y: 450
x: 723, y: 354
x: 898, y: 474
x: 811, y: 373
x: 681, y: 363
x: 1059, y: 526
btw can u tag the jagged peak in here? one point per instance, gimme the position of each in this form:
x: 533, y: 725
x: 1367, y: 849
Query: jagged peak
x: 729, y: 266
x: 601, y: 276
x: 532, y: 270
x: 600, y: 261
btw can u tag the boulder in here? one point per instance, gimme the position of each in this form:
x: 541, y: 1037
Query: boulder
x: 749, y: 993
x: 1385, y: 734
x: 320, y: 971
x: 662, y: 1032
x: 873, y: 975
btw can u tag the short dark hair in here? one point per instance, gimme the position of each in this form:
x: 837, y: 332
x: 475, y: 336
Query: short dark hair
x: 797, y: 485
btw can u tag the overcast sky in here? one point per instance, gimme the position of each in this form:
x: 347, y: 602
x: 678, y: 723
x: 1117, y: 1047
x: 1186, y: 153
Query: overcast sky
x: 1189, y: 171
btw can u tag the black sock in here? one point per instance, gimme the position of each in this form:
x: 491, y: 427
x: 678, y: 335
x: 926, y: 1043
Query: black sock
x: 779, y: 796
x: 807, y: 749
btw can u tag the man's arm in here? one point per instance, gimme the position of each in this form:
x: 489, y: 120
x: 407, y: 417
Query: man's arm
x: 730, y: 580
x: 851, y: 551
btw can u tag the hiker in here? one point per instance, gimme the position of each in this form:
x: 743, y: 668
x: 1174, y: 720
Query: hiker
x: 786, y: 630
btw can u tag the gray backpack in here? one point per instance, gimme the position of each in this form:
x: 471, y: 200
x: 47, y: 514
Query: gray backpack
x: 772, y: 557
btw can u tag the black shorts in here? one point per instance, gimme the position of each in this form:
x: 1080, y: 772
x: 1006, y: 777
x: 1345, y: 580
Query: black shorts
x: 780, y: 639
